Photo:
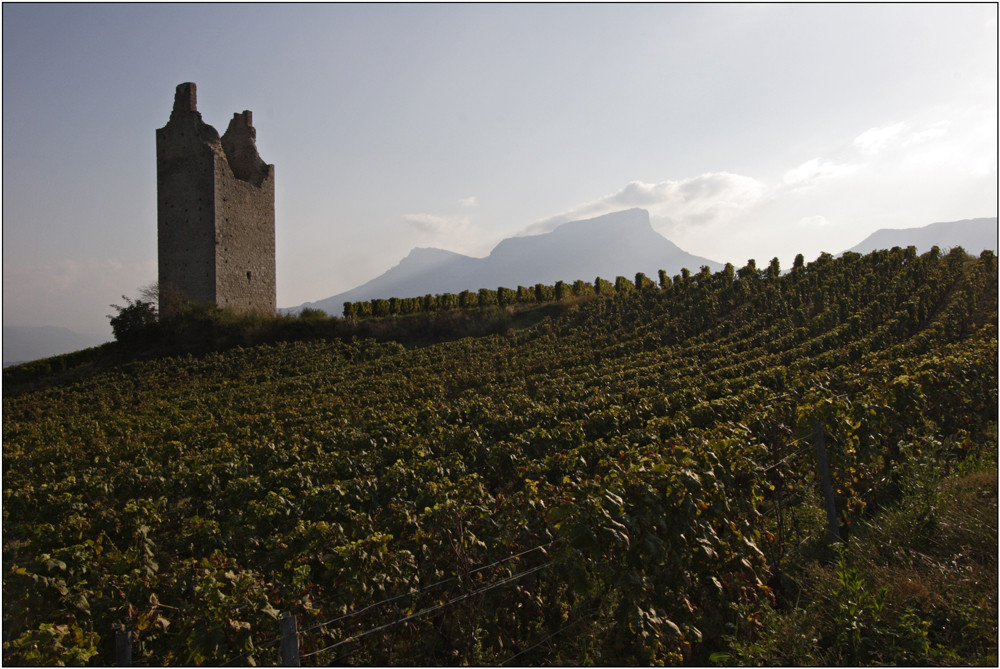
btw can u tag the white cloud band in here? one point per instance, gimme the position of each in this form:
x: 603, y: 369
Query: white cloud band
x: 813, y: 171
x: 695, y: 201
x: 432, y: 224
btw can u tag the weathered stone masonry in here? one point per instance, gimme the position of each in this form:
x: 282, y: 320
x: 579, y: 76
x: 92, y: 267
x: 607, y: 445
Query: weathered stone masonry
x: 215, y: 222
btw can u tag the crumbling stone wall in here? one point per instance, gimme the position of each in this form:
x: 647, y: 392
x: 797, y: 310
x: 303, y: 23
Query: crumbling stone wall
x: 215, y: 222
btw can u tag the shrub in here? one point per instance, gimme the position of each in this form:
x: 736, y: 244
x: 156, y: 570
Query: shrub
x: 314, y: 314
x: 623, y: 285
x: 133, y: 321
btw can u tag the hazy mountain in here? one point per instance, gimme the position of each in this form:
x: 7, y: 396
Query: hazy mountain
x: 22, y: 344
x: 974, y: 235
x: 621, y: 243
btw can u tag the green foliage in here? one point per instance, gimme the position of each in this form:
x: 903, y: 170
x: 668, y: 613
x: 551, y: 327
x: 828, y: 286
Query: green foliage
x: 642, y: 282
x: 544, y: 293
x: 774, y: 269
x: 133, y: 321
x: 898, y: 595
x: 506, y: 296
x: 608, y: 480
x: 748, y: 271
x: 603, y: 286
x: 54, y: 645
x: 623, y: 285
x: 487, y: 298
x: 861, y: 632
x: 60, y: 366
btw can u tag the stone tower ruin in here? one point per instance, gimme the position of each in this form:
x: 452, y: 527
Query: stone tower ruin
x: 215, y: 221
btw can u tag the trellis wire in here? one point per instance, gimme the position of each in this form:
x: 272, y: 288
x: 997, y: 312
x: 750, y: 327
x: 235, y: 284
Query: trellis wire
x: 557, y: 632
x: 434, y: 608
x: 251, y: 652
x: 423, y: 589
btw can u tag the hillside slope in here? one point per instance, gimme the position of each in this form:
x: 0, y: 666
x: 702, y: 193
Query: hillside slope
x: 621, y: 484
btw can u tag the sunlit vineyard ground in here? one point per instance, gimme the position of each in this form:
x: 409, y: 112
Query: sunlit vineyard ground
x: 631, y: 480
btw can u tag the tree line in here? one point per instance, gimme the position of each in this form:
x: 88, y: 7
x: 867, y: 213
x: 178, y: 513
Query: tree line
x: 541, y: 293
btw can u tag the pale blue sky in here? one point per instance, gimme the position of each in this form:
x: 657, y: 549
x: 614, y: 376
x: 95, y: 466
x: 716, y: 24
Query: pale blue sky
x: 748, y: 131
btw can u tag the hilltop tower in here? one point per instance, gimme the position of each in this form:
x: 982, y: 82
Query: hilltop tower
x: 215, y: 220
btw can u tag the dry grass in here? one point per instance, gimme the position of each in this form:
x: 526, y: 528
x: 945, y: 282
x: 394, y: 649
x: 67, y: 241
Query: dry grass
x: 925, y: 575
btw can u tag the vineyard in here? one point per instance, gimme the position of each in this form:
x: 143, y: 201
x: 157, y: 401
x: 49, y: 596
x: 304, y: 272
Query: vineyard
x: 631, y: 480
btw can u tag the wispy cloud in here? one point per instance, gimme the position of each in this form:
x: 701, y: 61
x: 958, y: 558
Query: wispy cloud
x: 437, y: 226
x: 932, y: 131
x: 451, y: 230
x: 953, y: 140
x: 876, y: 140
x: 455, y: 233
x: 814, y: 222
x: 694, y: 201
x: 721, y: 215
x: 811, y: 172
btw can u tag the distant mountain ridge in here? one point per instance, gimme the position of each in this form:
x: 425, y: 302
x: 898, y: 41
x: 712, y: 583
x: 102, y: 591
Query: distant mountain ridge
x: 24, y: 343
x: 620, y: 243
x: 616, y: 244
x: 973, y: 234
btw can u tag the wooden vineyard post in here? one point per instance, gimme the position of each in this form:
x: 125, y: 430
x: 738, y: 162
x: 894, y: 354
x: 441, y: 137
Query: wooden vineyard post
x: 289, y: 640
x: 123, y: 648
x: 832, y: 526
